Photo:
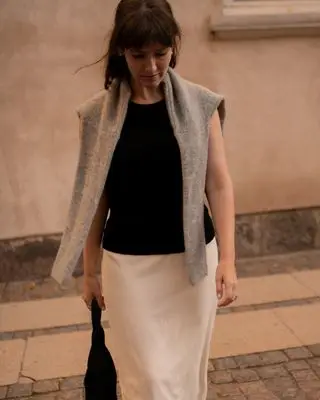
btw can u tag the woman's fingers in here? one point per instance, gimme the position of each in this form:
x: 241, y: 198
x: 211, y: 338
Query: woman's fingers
x: 219, y: 286
x: 101, y: 303
x: 87, y: 299
x: 228, y: 295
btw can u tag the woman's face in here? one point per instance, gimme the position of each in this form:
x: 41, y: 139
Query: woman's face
x: 148, y: 65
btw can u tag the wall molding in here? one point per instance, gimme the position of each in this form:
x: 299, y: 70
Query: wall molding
x: 249, y: 19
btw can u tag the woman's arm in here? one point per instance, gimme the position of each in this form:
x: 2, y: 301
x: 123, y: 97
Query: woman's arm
x: 92, y: 255
x: 92, y: 248
x: 219, y: 191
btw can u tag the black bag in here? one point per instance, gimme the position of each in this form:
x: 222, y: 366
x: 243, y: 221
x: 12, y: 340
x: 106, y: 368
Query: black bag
x: 100, y: 381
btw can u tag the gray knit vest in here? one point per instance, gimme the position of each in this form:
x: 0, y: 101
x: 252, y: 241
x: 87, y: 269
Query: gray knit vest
x: 190, y: 107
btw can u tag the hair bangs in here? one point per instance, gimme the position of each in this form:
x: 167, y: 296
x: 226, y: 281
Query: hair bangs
x: 141, y: 31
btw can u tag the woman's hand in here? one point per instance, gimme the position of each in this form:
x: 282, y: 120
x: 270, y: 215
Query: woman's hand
x: 226, y: 283
x: 92, y: 289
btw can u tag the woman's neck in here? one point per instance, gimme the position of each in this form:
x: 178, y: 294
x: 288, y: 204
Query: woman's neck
x: 146, y: 95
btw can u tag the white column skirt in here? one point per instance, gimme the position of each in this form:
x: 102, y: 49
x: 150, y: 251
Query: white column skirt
x: 161, y: 325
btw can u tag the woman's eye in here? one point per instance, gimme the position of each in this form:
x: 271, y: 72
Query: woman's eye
x: 161, y: 54
x: 141, y: 56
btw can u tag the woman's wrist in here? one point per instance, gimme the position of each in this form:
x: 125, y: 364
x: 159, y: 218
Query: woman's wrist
x: 227, y: 254
x: 227, y: 261
x: 89, y: 274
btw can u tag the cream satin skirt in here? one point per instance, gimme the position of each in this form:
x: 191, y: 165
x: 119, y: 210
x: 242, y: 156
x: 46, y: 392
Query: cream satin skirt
x: 160, y: 325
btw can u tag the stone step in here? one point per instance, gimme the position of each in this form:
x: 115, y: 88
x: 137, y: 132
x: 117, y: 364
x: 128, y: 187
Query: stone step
x: 69, y: 311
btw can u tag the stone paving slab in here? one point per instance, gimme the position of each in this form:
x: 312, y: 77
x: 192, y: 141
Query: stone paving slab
x: 41, y: 314
x: 280, y: 287
x: 247, y: 267
x: 292, y: 373
x: 310, y: 279
x: 303, y: 321
x: 53, y: 356
x: 251, y: 332
x: 11, y: 356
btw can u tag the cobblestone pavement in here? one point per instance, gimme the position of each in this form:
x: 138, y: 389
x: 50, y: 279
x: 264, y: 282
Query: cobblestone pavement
x: 251, y: 267
x: 289, y: 374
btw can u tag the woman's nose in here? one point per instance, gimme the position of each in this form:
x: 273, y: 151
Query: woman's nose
x: 151, y: 65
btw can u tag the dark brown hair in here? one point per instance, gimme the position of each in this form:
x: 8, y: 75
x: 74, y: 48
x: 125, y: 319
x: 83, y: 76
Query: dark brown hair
x: 139, y: 23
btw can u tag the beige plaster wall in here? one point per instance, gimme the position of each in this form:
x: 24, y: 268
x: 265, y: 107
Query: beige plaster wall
x: 272, y: 89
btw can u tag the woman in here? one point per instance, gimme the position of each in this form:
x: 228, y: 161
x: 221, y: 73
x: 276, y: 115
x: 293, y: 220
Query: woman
x: 151, y: 152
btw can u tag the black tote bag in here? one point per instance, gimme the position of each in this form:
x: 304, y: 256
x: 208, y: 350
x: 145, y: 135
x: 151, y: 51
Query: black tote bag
x: 100, y: 381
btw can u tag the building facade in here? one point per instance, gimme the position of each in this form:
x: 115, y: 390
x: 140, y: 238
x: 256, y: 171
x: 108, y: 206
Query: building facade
x: 264, y: 56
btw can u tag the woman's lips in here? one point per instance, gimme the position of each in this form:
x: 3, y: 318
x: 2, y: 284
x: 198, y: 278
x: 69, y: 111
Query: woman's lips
x: 149, y: 76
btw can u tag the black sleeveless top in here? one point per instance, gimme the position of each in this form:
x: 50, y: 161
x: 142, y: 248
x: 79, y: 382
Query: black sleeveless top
x: 144, y: 187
